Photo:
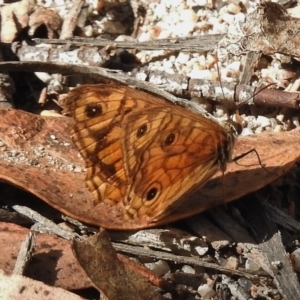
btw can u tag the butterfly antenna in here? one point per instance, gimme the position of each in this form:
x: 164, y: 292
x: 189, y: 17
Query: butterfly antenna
x: 255, y: 93
x: 235, y: 159
x: 221, y: 84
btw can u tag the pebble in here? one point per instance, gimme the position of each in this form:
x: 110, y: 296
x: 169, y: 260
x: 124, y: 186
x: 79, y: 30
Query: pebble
x: 221, y: 112
x: 278, y: 128
x: 188, y: 269
x: 245, y: 283
x: 228, y: 18
x: 295, y: 258
x: 192, y: 3
x: 159, y: 268
x: 200, y: 74
x: 183, y: 58
x: 188, y: 15
x: 251, y: 265
x: 167, y: 65
x: 233, y: 8
x: 77, y: 170
x: 232, y: 263
x: 295, y: 121
x: 206, y: 291
x: 280, y: 118
x: 246, y: 131
x: 263, y: 121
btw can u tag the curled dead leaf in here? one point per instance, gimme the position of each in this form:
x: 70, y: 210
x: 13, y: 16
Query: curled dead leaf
x: 111, y: 276
x: 64, y: 189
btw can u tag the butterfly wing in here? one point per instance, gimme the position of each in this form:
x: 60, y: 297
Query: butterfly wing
x: 99, y: 112
x: 169, y: 152
x: 142, y: 151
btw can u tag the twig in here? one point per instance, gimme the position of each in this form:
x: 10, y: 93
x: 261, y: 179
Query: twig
x: 47, y: 225
x: 69, y: 23
x: 178, y: 259
x: 189, y: 44
x: 25, y: 254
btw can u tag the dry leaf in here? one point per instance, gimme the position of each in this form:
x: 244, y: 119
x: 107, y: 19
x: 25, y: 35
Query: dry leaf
x: 17, y: 287
x: 53, y: 261
x: 47, y: 17
x: 111, y: 276
x: 65, y: 189
x: 17, y: 16
x: 269, y: 29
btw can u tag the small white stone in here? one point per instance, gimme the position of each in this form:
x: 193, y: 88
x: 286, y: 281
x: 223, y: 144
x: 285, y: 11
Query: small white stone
x: 77, y: 170
x: 201, y: 250
x: 295, y: 257
x: 183, y: 29
x: 200, y: 74
x: 251, y: 265
x: 167, y: 64
x: 220, y: 111
x: 258, y: 130
x: 263, y: 121
x: 232, y: 263
x: 165, y: 34
x: 273, y: 123
x: 245, y: 283
x: 240, y: 18
x: 188, y: 269
x: 228, y: 18
x: 88, y: 31
x: 160, y: 11
x: 206, y: 292
x: 234, y: 66
x: 45, y: 77
x: 188, y: 15
x: 233, y: 1
x: 246, y: 131
x: 251, y: 121
x: 144, y: 37
x: 60, y: 2
x: 53, y: 137
x: 233, y: 8
x: 159, y: 268
x: 295, y: 121
x: 197, y: 66
x: 183, y: 58
x: 280, y: 118
x: 192, y: 3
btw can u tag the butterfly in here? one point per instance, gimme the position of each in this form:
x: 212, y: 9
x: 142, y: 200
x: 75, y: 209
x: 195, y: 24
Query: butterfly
x: 144, y: 153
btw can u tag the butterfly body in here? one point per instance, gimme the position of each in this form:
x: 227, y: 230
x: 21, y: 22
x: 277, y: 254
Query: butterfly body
x: 143, y: 153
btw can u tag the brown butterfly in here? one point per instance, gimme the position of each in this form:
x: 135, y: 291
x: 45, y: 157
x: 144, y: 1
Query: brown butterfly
x: 143, y: 151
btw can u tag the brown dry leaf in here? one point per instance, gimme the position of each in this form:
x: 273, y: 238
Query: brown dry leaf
x: 65, y: 189
x: 110, y: 276
x: 17, y: 287
x: 52, y: 263
x: 269, y: 29
x: 47, y: 17
x: 14, y: 18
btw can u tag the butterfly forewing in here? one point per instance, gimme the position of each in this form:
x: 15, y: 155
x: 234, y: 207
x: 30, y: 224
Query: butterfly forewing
x: 143, y: 151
